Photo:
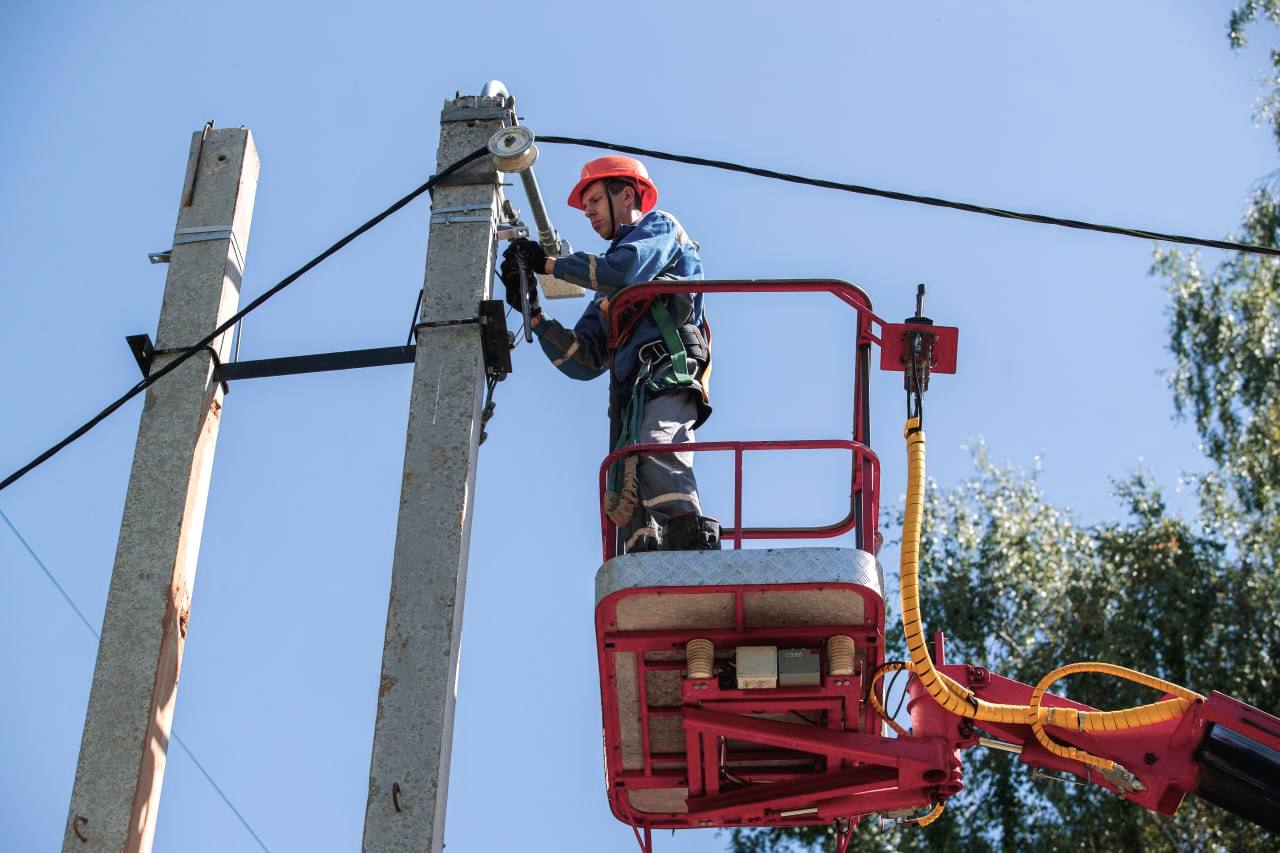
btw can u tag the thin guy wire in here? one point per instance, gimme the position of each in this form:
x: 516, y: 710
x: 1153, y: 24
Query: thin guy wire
x: 916, y: 199
x: 94, y: 631
x: 154, y: 377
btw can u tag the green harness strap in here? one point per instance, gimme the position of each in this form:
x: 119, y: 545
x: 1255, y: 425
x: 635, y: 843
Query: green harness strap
x: 675, y: 346
x: 633, y: 414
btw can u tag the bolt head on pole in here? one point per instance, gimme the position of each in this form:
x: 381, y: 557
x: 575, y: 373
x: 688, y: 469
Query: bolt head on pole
x: 513, y: 149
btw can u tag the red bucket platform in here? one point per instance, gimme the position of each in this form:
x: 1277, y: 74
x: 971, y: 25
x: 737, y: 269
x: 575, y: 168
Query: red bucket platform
x: 686, y: 752
x: 721, y: 747
x: 698, y: 732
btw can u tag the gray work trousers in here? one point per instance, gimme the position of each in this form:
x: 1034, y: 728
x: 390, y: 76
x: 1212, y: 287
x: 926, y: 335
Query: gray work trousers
x: 666, y: 483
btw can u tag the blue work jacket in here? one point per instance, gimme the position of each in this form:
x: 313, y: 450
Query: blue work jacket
x: 656, y: 247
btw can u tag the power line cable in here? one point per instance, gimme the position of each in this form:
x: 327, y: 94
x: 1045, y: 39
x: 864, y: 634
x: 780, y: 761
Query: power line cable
x: 658, y: 155
x: 916, y: 199
x: 188, y: 352
x: 94, y: 631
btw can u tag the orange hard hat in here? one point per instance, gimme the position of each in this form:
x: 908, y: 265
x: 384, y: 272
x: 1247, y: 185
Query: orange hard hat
x: 614, y: 166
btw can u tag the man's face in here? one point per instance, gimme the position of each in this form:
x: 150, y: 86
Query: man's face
x: 596, y: 203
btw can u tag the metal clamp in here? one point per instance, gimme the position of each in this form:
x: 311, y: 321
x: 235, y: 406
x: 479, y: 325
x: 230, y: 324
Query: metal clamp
x: 455, y: 220
x: 513, y: 231
x: 461, y: 213
x: 495, y: 342
x: 445, y: 324
x: 200, y: 234
x: 452, y: 114
x: 145, y: 352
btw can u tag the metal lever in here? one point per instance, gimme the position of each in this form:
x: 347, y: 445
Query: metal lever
x: 525, y: 281
x: 514, y: 229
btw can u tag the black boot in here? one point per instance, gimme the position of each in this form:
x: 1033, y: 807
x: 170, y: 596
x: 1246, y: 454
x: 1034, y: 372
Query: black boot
x: 691, y: 532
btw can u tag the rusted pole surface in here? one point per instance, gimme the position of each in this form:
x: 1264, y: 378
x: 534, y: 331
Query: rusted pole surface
x: 116, y: 797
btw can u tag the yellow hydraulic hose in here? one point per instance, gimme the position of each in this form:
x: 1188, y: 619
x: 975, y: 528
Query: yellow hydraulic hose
x: 891, y: 666
x: 959, y: 700
x: 881, y: 672
x: 953, y: 697
x: 934, y: 814
x: 1103, y: 721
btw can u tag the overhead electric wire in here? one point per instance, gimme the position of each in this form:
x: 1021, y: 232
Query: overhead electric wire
x: 191, y: 350
x: 822, y: 183
x: 94, y: 631
x: 911, y: 197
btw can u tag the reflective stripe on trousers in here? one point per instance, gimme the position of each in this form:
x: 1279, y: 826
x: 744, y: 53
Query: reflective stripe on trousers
x: 667, y: 486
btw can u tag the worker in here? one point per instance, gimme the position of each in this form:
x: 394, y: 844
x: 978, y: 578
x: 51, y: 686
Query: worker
x: 658, y: 372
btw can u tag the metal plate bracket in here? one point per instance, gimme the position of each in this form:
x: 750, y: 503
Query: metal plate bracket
x: 200, y: 234
x: 495, y: 340
x: 945, y: 344
x: 459, y: 213
x: 144, y: 351
x: 449, y: 114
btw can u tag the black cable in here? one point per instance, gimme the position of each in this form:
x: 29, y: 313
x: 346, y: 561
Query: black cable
x: 152, y: 378
x: 902, y: 697
x: 917, y: 199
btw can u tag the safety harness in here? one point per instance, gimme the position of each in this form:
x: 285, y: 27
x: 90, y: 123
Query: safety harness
x: 622, y: 484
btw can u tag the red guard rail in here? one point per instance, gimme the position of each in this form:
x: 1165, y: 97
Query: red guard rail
x: 850, y: 294
x: 864, y: 509
x: 863, y: 514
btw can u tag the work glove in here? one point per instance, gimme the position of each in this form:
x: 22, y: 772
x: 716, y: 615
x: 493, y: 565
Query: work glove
x: 534, y: 256
x: 509, y: 272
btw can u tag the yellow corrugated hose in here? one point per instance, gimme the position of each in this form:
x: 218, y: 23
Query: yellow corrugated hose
x: 934, y: 814
x: 891, y: 666
x: 959, y: 700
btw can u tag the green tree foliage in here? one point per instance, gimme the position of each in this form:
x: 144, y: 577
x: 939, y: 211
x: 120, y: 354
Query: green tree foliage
x: 1195, y: 603
x: 1147, y: 592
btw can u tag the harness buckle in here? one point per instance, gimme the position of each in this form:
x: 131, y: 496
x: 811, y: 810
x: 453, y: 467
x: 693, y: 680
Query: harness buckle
x: 653, y: 352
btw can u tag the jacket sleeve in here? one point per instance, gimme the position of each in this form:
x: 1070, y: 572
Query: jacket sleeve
x: 641, y: 255
x: 578, y: 354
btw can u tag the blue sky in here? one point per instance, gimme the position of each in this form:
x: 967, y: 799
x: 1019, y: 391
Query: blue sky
x: 1134, y: 113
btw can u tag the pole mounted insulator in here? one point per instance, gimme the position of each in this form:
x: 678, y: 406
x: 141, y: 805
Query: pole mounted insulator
x: 513, y: 152
x: 513, y: 149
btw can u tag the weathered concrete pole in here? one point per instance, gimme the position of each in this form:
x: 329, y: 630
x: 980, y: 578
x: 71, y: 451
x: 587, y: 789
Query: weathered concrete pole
x: 413, y: 734
x: 116, y: 797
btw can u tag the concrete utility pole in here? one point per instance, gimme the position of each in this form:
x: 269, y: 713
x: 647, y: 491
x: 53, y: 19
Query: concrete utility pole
x: 116, y: 797
x: 413, y: 734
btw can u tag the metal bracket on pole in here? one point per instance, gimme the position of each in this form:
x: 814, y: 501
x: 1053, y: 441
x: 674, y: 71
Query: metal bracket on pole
x: 449, y: 114
x: 199, y: 234
x: 495, y: 340
x: 461, y: 213
x: 495, y: 343
x: 144, y: 352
